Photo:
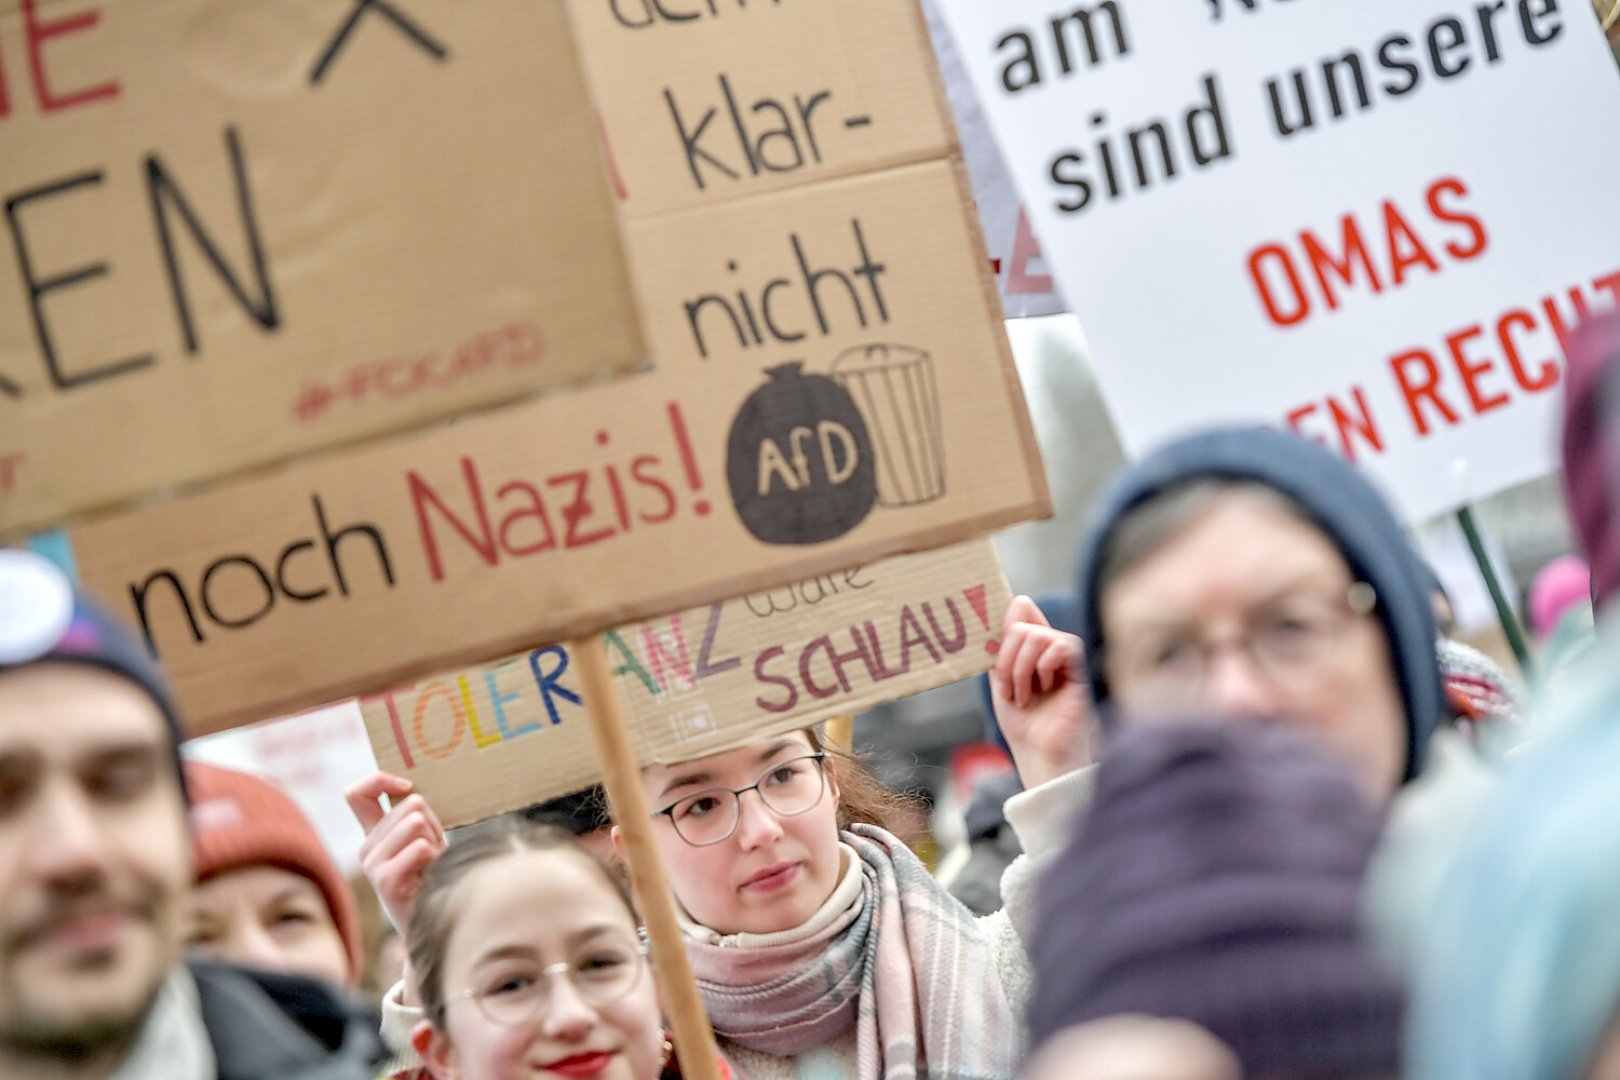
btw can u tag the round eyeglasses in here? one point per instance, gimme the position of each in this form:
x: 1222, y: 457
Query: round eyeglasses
x: 1288, y: 641
x: 515, y: 991
x: 710, y: 816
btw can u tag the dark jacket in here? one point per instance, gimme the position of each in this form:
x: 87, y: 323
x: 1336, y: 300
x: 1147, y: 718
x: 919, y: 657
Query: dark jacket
x: 271, y: 1026
x: 992, y: 845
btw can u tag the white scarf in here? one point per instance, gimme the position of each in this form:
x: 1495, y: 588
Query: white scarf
x: 172, y: 1044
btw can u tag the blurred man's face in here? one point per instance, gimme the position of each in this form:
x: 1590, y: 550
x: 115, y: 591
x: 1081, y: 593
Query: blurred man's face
x: 94, y: 860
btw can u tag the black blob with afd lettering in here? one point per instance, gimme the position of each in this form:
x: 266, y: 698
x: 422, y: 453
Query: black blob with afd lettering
x: 799, y: 460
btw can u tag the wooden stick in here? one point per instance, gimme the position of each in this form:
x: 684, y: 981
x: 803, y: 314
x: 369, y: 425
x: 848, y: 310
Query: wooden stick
x: 621, y: 775
x: 841, y: 733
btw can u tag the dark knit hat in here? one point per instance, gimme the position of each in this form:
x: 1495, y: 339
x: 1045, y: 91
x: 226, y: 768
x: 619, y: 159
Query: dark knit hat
x: 239, y: 820
x: 43, y: 618
x: 1592, y: 449
x: 1216, y: 879
x: 579, y: 813
x: 1330, y: 493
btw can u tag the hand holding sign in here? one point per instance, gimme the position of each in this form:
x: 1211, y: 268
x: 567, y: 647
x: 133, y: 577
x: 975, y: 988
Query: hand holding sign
x: 400, y: 844
x: 1039, y: 701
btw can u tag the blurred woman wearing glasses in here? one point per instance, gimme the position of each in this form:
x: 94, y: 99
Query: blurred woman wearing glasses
x: 822, y: 946
x: 527, y: 959
x: 1247, y: 576
x: 1253, y: 574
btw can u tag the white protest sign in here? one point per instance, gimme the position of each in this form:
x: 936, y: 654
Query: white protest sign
x: 311, y: 756
x: 1025, y: 282
x: 1374, y: 223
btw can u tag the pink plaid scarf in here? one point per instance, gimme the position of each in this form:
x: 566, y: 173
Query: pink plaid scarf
x: 907, y: 966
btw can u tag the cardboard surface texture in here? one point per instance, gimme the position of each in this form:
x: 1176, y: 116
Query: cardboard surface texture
x: 833, y: 385
x: 732, y: 99
x: 238, y: 232
x: 1373, y: 223
x: 896, y: 429
x: 505, y: 735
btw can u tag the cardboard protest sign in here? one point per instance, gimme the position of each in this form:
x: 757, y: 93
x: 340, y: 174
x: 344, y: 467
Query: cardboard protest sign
x: 507, y: 734
x: 583, y: 510
x: 739, y: 101
x: 238, y: 232
x: 873, y: 283
x: 1374, y: 222
x: 748, y: 101
x: 728, y: 100
x: 833, y: 385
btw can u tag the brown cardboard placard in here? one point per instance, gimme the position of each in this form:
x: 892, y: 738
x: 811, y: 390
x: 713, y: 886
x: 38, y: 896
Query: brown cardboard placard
x: 240, y: 232
x: 833, y: 386
x: 584, y: 510
x: 855, y: 278
x: 736, y: 99
x: 503, y: 735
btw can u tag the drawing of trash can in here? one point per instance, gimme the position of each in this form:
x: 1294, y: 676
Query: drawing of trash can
x: 894, y: 388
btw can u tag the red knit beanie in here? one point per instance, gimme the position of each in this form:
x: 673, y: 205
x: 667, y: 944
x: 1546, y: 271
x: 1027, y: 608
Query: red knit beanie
x: 239, y: 820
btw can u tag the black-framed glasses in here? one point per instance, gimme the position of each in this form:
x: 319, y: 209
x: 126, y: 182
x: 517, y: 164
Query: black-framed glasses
x: 515, y: 991
x: 787, y: 788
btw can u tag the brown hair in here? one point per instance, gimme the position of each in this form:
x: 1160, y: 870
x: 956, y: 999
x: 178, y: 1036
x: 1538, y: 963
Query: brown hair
x: 863, y: 797
x: 433, y: 918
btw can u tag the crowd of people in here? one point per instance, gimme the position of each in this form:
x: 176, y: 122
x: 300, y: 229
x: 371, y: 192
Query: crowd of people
x: 1270, y: 822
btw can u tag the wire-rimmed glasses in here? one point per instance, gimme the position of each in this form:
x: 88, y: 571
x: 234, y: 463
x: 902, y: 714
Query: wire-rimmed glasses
x: 710, y: 816
x: 515, y: 991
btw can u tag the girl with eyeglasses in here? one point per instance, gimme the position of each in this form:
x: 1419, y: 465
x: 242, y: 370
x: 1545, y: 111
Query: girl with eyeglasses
x: 821, y: 945
x: 527, y: 959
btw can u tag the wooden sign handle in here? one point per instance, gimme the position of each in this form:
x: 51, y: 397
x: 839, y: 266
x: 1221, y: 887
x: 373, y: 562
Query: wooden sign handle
x: 841, y: 733
x: 621, y: 775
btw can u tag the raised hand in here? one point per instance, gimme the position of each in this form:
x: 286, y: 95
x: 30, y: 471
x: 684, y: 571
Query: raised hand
x: 400, y: 844
x: 1040, y: 701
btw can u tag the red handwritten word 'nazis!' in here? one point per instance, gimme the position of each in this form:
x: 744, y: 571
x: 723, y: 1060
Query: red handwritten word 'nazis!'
x: 562, y: 511
x: 475, y: 519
